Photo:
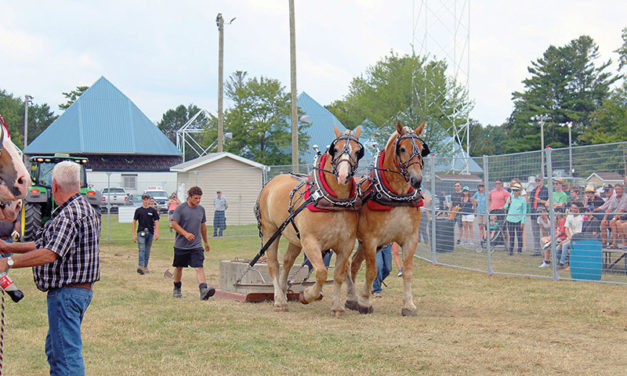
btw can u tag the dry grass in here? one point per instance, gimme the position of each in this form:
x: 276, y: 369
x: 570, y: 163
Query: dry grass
x: 468, y: 323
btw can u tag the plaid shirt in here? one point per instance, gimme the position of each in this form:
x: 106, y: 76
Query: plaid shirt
x: 73, y: 233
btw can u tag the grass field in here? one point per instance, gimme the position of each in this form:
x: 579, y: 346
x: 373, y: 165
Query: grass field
x: 468, y: 323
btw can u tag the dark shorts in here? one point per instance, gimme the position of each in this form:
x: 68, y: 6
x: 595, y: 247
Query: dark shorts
x: 188, y: 257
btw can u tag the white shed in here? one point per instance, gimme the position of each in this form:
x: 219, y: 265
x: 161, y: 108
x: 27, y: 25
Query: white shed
x: 239, y: 179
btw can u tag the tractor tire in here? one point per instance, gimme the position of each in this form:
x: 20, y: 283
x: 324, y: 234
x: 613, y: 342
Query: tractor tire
x: 32, y: 221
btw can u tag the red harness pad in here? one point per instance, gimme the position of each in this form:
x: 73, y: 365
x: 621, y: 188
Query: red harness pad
x: 376, y: 206
x: 325, y: 186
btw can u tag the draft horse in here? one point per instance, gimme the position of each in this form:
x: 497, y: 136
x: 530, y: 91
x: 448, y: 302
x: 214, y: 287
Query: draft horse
x: 314, y: 230
x: 391, y: 213
x: 14, y: 177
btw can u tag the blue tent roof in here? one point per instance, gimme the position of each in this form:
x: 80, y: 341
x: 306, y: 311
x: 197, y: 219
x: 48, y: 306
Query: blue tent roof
x: 103, y: 121
x: 322, y: 121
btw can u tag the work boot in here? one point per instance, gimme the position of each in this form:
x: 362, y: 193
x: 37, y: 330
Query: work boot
x: 140, y: 270
x: 177, y: 292
x: 207, y: 292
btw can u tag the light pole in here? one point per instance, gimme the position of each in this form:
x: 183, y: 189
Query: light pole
x: 28, y: 99
x: 293, y: 85
x: 541, y: 118
x: 220, y: 24
x: 570, y: 147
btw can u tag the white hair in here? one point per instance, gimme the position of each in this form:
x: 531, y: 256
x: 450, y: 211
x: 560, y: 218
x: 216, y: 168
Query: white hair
x: 67, y: 175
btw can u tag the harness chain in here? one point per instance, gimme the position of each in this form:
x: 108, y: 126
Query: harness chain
x: 2, y: 334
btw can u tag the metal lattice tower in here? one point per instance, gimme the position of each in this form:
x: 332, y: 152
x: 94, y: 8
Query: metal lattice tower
x: 441, y: 30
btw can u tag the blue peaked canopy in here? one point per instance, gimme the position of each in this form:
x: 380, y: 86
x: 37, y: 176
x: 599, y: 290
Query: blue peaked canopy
x: 103, y: 121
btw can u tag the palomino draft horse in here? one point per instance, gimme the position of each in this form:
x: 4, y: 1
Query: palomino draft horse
x: 14, y: 178
x: 313, y: 230
x: 391, y: 214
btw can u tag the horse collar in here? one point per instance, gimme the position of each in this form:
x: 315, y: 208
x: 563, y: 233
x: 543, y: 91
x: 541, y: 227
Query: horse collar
x: 383, y: 192
x: 321, y: 189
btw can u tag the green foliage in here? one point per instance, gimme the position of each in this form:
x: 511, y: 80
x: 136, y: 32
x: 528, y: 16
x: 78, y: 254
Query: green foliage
x: 72, y: 96
x: 409, y: 88
x: 566, y: 85
x: 486, y: 140
x: 259, y: 120
x: 622, y: 51
x: 12, y: 109
x: 609, y: 122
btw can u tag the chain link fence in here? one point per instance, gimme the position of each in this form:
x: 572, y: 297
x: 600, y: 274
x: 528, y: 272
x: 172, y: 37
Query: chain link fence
x: 493, y: 236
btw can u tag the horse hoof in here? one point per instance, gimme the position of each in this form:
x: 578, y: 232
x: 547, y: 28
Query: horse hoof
x: 301, y: 298
x: 365, y: 310
x: 408, y: 312
x: 352, y: 305
x: 281, y: 308
x: 337, y: 313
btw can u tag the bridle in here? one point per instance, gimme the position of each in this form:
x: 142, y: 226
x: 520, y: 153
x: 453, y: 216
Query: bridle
x: 336, y: 158
x: 416, y: 153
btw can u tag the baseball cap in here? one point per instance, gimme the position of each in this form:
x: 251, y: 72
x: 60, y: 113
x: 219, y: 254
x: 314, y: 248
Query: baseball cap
x: 516, y: 187
x: 608, y: 186
x: 590, y: 188
x: 465, y: 188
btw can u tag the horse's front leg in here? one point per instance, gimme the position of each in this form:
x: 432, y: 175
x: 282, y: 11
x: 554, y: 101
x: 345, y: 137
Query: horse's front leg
x: 409, y: 248
x: 314, y: 254
x: 351, y: 292
x: 363, y: 301
x: 292, y: 252
x: 339, y: 275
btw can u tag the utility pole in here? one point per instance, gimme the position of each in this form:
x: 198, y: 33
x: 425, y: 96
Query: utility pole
x: 541, y: 118
x: 220, y: 23
x: 294, y: 100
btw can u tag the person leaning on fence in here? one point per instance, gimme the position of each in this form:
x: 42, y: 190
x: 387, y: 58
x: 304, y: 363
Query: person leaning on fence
x: 189, y: 222
x: 574, y: 225
x: 560, y: 236
x: 516, y: 212
x: 468, y: 215
x: 480, y: 200
x: 456, y: 200
x: 619, y: 216
x: 219, y: 217
x: 538, y: 199
x: 560, y: 198
x: 65, y: 261
x: 610, y: 205
x: 147, y: 219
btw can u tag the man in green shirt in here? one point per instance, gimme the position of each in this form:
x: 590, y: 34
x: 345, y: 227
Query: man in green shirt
x: 560, y: 198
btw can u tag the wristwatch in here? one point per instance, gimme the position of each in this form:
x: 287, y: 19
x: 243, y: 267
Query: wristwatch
x: 10, y: 262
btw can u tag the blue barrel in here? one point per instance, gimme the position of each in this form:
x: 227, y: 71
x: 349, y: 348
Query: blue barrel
x: 586, y: 261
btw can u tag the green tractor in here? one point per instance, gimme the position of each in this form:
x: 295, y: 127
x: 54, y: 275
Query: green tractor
x: 38, y: 204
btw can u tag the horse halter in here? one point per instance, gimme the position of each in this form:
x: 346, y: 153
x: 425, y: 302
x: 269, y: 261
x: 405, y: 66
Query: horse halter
x: 336, y: 158
x: 415, y: 153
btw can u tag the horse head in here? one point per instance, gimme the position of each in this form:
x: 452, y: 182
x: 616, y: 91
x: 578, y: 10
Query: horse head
x: 14, y: 178
x: 409, y: 151
x: 345, y: 152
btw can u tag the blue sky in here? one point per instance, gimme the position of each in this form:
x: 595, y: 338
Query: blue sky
x: 164, y: 53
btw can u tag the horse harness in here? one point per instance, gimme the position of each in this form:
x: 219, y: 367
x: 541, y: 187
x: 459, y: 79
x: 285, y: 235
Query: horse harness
x: 337, y: 159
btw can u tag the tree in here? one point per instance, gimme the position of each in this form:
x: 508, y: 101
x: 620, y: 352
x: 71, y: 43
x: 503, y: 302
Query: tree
x: 409, y: 88
x: 622, y: 51
x: 566, y: 85
x: 609, y: 122
x: 172, y: 120
x: 72, y: 96
x: 259, y: 120
x: 12, y: 109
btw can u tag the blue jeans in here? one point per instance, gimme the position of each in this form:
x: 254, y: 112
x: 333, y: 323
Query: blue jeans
x: 384, y: 266
x: 144, y: 243
x: 565, y: 249
x: 219, y: 222
x: 66, y: 307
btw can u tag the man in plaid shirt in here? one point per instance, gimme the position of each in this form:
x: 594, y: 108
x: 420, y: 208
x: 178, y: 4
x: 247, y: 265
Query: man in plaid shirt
x: 65, y: 264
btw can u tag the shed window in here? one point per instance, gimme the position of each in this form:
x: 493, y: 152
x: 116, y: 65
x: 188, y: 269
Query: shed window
x: 129, y: 181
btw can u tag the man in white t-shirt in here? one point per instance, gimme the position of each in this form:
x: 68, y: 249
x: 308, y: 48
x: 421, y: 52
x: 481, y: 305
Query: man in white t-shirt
x: 574, y: 224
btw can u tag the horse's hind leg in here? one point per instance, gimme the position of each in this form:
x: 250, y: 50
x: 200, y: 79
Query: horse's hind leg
x: 339, y: 275
x: 280, y: 299
x: 292, y: 252
x: 355, y: 264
